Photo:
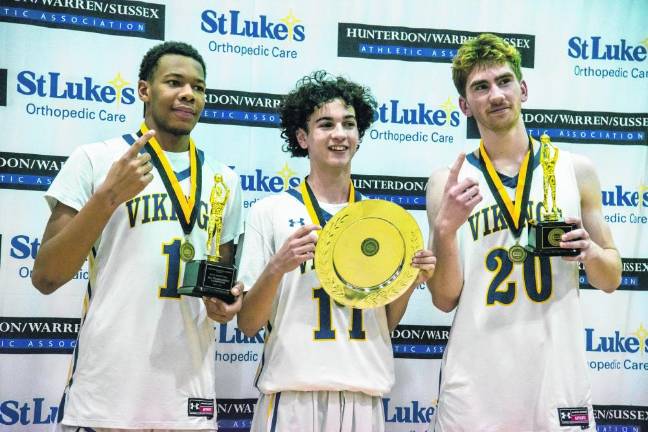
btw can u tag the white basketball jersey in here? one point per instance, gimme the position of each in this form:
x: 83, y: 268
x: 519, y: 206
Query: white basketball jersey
x: 144, y: 355
x: 515, y: 358
x: 311, y: 343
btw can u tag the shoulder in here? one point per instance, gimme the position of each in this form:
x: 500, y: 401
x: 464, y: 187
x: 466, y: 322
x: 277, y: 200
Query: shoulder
x: 438, y: 176
x: 106, y: 148
x: 586, y: 177
x: 274, y: 203
x: 97, y: 153
x: 583, y: 166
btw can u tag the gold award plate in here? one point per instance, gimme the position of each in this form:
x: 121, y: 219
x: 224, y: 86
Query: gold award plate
x: 364, y: 253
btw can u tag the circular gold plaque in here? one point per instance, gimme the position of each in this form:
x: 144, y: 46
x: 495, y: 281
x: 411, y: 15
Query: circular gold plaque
x: 364, y: 253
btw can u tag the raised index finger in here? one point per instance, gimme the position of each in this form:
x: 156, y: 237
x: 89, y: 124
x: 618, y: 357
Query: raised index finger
x: 455, y: 168
x: 134, y: 150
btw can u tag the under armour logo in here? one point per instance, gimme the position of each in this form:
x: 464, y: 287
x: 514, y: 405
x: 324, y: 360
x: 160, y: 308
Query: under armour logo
x: 294, y: 222
x: 193, y: 405
x: 564, y: 415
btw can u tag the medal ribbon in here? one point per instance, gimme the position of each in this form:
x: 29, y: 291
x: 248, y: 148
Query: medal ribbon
x: 312, y: 206
x: 186, y: 209
x: 514, y: 214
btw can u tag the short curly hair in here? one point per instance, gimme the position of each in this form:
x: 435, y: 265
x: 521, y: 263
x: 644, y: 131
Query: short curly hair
x: 484, y: 50
x: 151, y: 58
x: 315, y: 90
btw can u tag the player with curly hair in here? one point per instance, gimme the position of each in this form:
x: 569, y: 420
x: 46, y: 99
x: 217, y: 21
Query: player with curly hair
x: 324, y: 366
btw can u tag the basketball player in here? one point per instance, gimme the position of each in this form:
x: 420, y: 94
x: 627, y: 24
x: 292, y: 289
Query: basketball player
x: 515, y: 359
x: 324, y: 365
x: 145, y: 356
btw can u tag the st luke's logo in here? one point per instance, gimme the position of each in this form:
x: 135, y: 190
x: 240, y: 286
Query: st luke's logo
x: 116, y: 17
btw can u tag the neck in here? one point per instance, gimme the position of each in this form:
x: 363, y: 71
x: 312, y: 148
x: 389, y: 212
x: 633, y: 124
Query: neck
x: 506, y: 149
x: 168, y: 141
x: 330, y: 187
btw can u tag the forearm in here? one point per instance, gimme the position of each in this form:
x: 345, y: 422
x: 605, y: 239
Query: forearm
x: 61, y: 255
x: 257, y: 303
x: 604, y: 269
x: 396, y: 309
x: 447, y: 281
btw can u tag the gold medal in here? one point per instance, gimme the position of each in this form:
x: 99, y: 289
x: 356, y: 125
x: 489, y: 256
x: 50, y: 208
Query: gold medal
x: 364, y: 254
x: 187, y: 251
x: 517, y: 253
x: 186, y: 208
x: 514, y: 211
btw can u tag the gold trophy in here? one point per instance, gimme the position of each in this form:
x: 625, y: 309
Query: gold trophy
x: 545, y: 235
x: 209, y: 277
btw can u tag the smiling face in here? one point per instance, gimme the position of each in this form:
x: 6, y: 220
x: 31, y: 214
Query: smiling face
x: 494, y: 97
x: 332, y: 137
x: 175, y: 95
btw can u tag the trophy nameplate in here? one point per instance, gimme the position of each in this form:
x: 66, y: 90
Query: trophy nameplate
x: 364, y: 253
x: 545, y: 234
x: 209, y: 277
x: 204, y: 278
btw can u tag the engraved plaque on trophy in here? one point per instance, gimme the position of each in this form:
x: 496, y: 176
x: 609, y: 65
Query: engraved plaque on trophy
x: 209, y: 277
x: 545, y: 235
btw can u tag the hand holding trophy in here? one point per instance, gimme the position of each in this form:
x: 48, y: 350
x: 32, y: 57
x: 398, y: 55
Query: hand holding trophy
x: 209, y: 277
x: 545, y: 235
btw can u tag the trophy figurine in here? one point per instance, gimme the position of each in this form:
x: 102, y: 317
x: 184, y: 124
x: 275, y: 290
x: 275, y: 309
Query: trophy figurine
x: 545, y: 235
x: 209, y: 277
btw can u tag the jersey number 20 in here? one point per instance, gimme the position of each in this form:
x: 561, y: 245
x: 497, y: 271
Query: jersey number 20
x: 537, y: 281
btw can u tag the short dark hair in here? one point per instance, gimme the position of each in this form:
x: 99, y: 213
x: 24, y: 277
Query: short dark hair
x: 315, y: 90
x: 151, y: 58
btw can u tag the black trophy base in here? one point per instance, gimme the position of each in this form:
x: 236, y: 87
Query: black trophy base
x: 544, y: 238
x: 208, y: 279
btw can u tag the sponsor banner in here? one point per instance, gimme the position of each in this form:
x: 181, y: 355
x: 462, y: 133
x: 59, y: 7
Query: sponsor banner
x: 234, y: 415
x: 621, y: 418
x: 27, y: 412
x: 52, y: 95
x: 625, y: 352
x: 23, y: 251
x: 582, y: 127
x: 236, y: 33
x: 608, y: 58
x: 416, y: 412
x: 419, y: 342
x: 241, y: 108
x: 417, y: 44
x: 402, y: 122
x: 262, y: 182
x: 232, y: 346
x: 28, y: 171
x: 31, y: 335
x: 408, y: 192
x: 625, y: 205
x: 3, y: 87
x: 634, y: 275
x: 115, y: 17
